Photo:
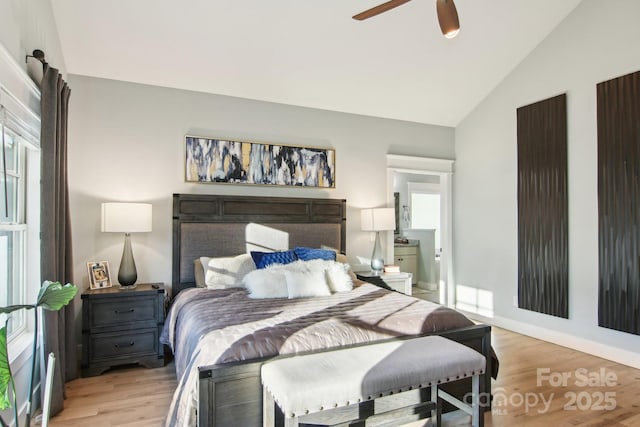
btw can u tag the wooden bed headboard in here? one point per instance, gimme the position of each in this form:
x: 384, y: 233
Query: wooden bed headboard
x: 213, y: 226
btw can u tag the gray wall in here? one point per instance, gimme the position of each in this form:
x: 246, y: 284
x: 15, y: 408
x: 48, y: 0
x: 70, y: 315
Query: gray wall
x: 597, y: 42
x: 126, y: 143
x: 26, y: 25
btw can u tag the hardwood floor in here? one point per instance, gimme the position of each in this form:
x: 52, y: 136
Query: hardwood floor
x: 136, y: 396
x: 126, y: 396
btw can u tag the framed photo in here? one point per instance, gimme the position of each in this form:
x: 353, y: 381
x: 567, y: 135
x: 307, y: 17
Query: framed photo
x: 242, y: 162
x: 99, y: 274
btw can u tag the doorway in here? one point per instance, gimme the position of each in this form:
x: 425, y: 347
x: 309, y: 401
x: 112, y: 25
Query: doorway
x: 424, y: 192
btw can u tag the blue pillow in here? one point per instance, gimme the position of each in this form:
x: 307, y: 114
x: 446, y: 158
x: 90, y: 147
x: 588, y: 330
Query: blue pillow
x: 307, y: 254
x: 263, y: 259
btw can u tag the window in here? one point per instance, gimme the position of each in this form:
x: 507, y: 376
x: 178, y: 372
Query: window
x: 12, y: 227
x: 424, y: 200
x: 15, y: 187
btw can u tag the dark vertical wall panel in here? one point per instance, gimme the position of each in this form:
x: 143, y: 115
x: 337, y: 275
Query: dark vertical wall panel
x: 618, y: 203
x: 543, y: 267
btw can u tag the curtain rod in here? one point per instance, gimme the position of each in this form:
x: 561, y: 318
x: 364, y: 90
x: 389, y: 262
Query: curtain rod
x: 37, y: 54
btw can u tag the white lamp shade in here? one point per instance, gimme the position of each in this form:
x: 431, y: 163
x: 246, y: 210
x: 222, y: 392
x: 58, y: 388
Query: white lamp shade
x: 378, y: 219
x: 126, y: 217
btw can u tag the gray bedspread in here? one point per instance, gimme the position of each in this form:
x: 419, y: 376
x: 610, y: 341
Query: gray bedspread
x: 206, y: 327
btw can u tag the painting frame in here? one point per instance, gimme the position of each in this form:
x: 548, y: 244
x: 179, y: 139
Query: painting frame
x: 99, y: 274
x: 232, y: 161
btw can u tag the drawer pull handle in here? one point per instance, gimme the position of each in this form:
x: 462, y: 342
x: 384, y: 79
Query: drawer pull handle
x: 131, y: 310
x: 130, y: 344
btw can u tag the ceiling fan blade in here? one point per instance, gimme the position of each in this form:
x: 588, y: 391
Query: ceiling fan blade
x: 448, y: 18
x: 379, y: 9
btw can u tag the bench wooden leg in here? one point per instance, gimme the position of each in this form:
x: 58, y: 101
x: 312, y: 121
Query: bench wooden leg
x: 436, y: 412
x: 268, y: 409
x: 477, y: 417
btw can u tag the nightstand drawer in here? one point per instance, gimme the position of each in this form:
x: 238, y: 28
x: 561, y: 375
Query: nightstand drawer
x: 110, y: 346
x: 117, y: 312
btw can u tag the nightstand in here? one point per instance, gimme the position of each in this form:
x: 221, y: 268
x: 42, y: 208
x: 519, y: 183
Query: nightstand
x: 121, y: 327
x: 400, y: 282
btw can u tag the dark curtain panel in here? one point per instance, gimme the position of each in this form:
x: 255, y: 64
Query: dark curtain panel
x: 619, y: 203
x: 56, y: 256
x: 543, y: 265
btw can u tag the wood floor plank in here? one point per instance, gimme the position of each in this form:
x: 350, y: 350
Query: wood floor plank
x: 140, y: 397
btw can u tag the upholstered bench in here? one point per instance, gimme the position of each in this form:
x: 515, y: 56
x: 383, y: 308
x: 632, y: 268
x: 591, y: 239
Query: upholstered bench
x: 311, y: 383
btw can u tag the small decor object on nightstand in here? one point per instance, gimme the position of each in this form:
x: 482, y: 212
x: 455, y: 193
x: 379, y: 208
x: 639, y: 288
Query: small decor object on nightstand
x: 392, y: 269
x: 127, y: 218
x: 99, y: 274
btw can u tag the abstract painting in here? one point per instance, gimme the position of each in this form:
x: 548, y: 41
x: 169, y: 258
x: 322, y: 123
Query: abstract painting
x: 226, y: 161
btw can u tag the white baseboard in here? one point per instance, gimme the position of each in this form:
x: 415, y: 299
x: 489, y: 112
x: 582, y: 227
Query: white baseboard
x: 615, y: 354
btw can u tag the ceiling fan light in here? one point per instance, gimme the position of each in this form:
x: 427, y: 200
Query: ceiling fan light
x: 448, y: 18
x: 452, y: 34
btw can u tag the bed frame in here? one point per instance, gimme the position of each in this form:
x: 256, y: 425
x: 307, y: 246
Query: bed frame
x: 213, y: 225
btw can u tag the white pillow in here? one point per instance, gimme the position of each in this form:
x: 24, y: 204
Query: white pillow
x: 304, y: 284
x: 205, y: 262
x: 337, y: 274
x: 227, y: 272
x: 317, y: 277
x: 338, y: 277
x: 268, y: 282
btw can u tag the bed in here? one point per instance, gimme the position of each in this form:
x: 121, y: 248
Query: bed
x: 221, y: 337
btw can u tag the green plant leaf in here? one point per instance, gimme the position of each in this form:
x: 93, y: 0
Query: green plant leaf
x: 11, y: 308
x: 53, y: 296
x: 6, y: 379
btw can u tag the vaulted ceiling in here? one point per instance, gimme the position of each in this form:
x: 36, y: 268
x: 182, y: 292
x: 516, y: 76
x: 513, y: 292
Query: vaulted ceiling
x: 310, y: 53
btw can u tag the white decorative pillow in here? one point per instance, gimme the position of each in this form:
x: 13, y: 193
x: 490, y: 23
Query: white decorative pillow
x: 220, y: 273
x: 305, y: 284
x: 204, y: 260
x: 268, y: 282
x: 298, y: 279
x: 339, y: 278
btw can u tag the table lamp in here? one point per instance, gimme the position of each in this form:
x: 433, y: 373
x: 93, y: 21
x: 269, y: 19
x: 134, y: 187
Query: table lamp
x: 378, y: 219
x: 126, y: 218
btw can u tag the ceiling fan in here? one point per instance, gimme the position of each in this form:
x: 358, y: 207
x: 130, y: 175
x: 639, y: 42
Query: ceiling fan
x: 447, y: 14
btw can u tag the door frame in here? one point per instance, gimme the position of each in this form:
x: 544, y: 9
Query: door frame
x: 444, y: 169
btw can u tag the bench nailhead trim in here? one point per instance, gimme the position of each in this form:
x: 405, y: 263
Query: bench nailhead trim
x: 411, y: 387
